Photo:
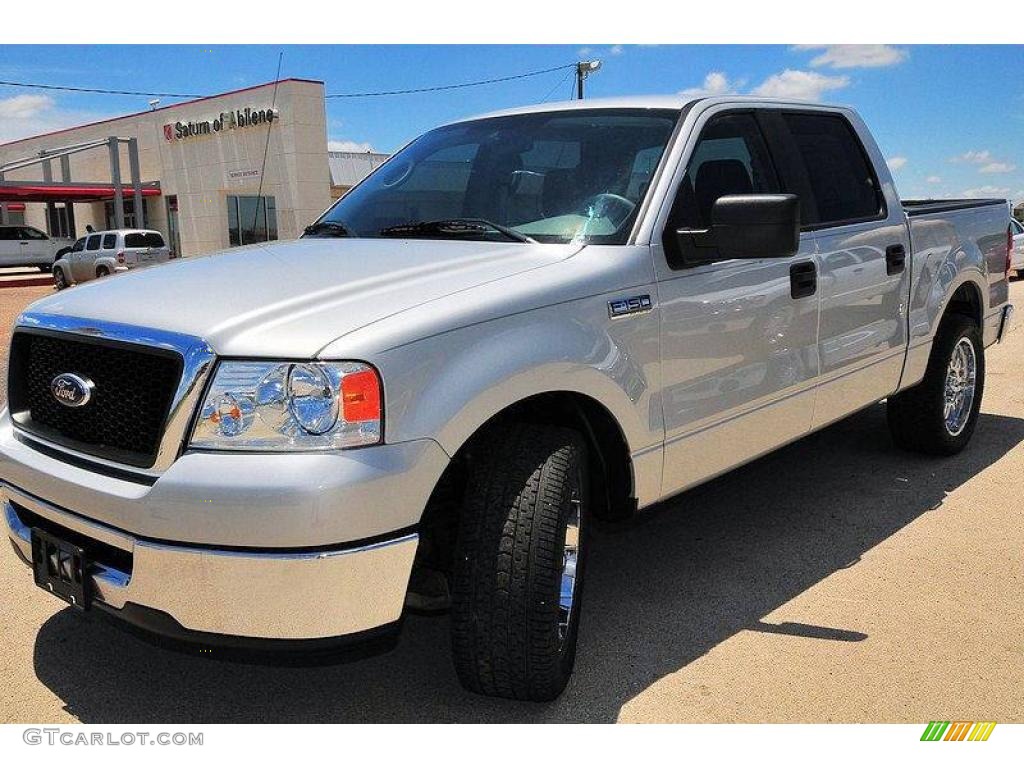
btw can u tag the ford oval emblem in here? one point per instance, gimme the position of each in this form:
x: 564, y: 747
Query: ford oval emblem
x: 71, y: 390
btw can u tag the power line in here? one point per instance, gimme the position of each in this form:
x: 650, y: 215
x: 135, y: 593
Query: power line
x: 401, y: 92
x: 535, y: 73
x: 100, y: 90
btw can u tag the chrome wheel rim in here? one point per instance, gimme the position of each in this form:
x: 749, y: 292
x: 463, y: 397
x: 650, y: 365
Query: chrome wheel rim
x: 570, y: 559
x: 958, y: 394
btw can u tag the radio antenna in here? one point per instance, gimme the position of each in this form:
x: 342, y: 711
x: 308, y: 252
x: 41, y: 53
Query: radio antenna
x: 266, y: 148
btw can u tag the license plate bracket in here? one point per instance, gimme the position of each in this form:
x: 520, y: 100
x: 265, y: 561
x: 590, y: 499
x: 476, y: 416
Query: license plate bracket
x: 61, y: 568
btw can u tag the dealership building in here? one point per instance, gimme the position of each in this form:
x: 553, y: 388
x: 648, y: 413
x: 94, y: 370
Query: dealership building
x: 232, y: 169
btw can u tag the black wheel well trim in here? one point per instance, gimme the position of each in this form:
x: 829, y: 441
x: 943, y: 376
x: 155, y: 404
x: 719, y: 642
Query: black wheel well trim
x: 966, y: 300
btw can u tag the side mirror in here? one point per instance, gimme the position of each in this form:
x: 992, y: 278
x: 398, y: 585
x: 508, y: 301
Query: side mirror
x: 756, y: 226
x: 746, y: 227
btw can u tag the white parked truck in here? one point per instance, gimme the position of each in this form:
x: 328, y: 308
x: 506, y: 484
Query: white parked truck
x: 520, y: 323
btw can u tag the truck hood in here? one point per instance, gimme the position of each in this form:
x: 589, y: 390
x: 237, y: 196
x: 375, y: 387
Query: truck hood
x: 292, y: 299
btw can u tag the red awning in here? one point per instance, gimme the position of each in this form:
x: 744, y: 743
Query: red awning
x: 16, y: 207
x: 29, y: 192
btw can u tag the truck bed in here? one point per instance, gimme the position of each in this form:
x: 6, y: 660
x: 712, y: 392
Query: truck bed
x: 922, y: 207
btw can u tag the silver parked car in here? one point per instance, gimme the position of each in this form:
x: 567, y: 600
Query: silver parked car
x: 1018, y: 246
x: 518, y: 324
x: 99, y: 254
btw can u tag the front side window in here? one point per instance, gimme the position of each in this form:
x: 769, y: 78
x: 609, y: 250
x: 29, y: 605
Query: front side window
x: 251, y: 219
x: 31, y: 233
x: 838, y: 171
x: 730, y: 158
x: 93, y: 243
x: 79, y: 245
x: 554, y: 177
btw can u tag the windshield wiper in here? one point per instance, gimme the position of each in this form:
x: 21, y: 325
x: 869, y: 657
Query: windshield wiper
x: 455, y: 228
x: 325, y: 229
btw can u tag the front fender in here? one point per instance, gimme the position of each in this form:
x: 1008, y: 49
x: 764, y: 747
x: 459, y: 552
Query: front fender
x: 447, y: 386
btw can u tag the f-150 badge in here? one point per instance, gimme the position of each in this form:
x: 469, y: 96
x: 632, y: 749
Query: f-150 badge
x: 629, y: 306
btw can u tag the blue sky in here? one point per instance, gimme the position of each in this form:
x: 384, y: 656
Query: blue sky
x: 949, y: 118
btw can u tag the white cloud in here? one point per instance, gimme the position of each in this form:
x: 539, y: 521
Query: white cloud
x: 855, y: 56
x: 799, y: 84
x: 790, y: 84
x: 976, y: 156
x: 584, y: 52
x: 616, y: 50
x: 715, y: 84
x: 934, y: 179
x: 997, y: 168
x: 987, y: 191
x: 29, y: 115
x: 895, y: 163
x: 345, y: 145
x: 24, y: 107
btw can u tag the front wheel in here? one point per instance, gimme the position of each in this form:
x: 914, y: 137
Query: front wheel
x: 939, y: 415
x: 519, y: 563
x: 59, y: 280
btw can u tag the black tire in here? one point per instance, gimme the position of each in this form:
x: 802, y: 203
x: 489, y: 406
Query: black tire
x: 506, y: 639
x: 102, y: 272
x: 60, y: 281
x: 44, y: 268
x: 916, y: 418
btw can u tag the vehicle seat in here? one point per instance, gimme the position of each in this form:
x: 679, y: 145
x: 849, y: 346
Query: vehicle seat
x: 715, y: 179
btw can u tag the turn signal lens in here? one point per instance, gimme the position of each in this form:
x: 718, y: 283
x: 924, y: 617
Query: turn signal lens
x: 360, y: 396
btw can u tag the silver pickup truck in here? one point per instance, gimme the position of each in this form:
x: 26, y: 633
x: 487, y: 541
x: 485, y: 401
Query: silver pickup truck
x: 519, y: 324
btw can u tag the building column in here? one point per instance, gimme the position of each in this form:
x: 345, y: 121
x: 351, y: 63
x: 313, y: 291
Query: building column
x: 69, y: 207
x: 51, y: 209
x: 133, y: 165
x: 115, y: 178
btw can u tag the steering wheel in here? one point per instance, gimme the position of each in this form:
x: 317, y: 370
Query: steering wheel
x: 608, y: 204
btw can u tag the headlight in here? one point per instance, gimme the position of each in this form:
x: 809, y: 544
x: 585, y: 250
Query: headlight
x: 272, y: 406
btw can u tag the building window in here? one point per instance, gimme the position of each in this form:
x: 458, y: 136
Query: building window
x: 130, y: 222
x: 251, y: 219
x: 59, y: 223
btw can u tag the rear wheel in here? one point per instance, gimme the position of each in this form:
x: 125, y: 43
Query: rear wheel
x: 519, y: 564
x: 939, y: 415
x: 45, y: 267
x: 59, y: 280
x: 102, y: 271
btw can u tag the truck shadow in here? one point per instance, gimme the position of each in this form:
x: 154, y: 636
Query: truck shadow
x: 663, y: 591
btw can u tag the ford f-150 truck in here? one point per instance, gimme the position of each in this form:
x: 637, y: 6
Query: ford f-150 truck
x: 519, y: 324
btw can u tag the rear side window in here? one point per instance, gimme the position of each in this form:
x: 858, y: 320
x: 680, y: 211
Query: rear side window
x: 9, y: 233
x: 109, y: 241
x: 93, y: 243
x: 143, y: 240
x: 838, y: 171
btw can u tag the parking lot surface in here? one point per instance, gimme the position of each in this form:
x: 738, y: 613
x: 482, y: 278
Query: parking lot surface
x: 837, y: 580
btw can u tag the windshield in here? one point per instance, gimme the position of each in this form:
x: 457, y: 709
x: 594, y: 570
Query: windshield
x: 554, y: 177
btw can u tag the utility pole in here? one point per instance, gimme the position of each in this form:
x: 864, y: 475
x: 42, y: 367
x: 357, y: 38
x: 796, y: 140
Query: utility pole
x: 583, y: 70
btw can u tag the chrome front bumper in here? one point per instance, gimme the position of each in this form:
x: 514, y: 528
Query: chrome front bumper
x: 316, y: 594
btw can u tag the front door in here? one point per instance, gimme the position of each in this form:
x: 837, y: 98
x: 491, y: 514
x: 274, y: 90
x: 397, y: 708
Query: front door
x: 739, y: 352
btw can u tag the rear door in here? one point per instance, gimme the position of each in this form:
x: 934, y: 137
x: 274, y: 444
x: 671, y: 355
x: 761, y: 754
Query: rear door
x: 739, y: 354
x: 863, y: 250
x: 145, y: 247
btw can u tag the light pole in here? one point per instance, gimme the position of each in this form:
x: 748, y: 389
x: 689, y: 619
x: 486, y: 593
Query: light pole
x: 583, y: 70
